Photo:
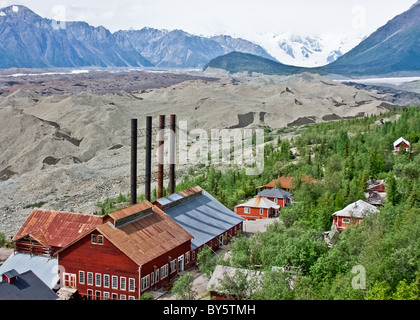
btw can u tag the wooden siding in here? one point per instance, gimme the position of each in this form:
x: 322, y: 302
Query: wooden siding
x: 254, y: 213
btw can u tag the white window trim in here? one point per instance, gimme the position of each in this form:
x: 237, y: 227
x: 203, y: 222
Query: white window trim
x: 261, y: 211
x: 157, y: 276
x: 173, y: 266
x: 114, y: 286
x: 145, y: 282
x: 123, y: 283
x: 131, y: 284
x: 82, y: 277
x: 106, y: 280
x: 89, y: 280
x: 106, y: 295
x: 247, y: 210
x: 98, y: 276
x: 164, y: 271
x: 345, y: 220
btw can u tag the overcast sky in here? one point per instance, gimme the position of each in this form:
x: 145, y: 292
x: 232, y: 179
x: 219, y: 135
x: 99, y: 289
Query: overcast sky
x: 242, y: 18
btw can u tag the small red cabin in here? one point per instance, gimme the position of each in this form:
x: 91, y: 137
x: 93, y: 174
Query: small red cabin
x: 401, y: 145
x: 257, y: 208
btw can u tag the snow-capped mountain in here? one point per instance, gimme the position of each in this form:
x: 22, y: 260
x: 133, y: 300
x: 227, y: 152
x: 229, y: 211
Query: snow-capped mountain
x: 307, y: 51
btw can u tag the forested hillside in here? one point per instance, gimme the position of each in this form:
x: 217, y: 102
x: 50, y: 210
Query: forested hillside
x: 346, y: 154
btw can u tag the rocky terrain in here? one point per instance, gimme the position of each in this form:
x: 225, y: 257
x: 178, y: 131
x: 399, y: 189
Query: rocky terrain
x: 65, y: 139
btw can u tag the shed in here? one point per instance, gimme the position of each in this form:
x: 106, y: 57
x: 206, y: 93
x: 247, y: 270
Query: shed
x: 355, y: 211
x: 401, y: 145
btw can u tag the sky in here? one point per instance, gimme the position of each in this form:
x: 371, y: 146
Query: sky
x: 240, y: 18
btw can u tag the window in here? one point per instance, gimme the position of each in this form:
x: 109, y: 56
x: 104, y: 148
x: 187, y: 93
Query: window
x: 173, y: 266
x: 97, y: 239
x: 261, y: 211
x: 123, y: 283
x: 193, y: 255
x: 106, y: 295
x: 187, y: 257
x: 81, y: 277
x: 157, y: 276
x: 345, y: 220
x: 90, y: 294
x: 98, y: 277
x: 276, y: 201
x: 97, y: 295
x: 152, y: 278
x: 114, y: 282
x: 114, y: 296
x: 90, y: 278
x: 220, y: 241
x: 145, y: 282
x: 164, y: 271
x: 247, y: 210
x: 123, y: 297
x: 131, y: 298
x: 106, y: 280
x: 131, y: 284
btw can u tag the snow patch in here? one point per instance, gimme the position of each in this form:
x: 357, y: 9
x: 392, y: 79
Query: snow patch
x: 2, y: 14
x: 15, y: 9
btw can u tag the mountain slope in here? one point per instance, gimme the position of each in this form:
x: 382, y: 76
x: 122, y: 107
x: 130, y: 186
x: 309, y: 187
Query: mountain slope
x: 392, y: 48
x: 179, y: 49
x: 30, y: 41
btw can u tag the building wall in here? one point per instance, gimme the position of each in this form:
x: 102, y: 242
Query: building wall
x: 254, y: 213
x: 106, y: 259
x: 340, y: 224
x: 378, y: 188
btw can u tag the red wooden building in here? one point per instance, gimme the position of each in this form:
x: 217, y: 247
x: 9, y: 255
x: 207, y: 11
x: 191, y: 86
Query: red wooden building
x: 133, y: 251
x: 257, y: 208
x: 278, y: 196
x: 352, y: 214
x: 284, y: 183
x: 401, y: 145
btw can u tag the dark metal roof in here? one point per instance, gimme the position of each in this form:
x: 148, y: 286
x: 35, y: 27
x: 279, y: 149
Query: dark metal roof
x: 27, y: 287
x: 200, y: 215
x: 275, y: 193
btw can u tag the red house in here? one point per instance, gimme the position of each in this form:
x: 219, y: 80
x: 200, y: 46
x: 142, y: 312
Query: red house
x: 133, y: 251
x: 401, y: 145
x: 257, y: 208
x: 278, y: 196
x: 284, y: 183
x: 352, y: 214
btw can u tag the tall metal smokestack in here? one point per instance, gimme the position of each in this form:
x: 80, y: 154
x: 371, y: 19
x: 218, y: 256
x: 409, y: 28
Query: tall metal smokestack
x: 172, y: 154
x: 161, y: 155
x: 133, y: 161
x: 148, y: 178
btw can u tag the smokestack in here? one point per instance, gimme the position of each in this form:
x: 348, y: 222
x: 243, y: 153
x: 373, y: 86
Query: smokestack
x: 133, y: 161
x: 148, y: 178
x: 161, y: 155
x: 172, y: 155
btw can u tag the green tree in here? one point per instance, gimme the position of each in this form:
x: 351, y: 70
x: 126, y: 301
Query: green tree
x: 183, y: 287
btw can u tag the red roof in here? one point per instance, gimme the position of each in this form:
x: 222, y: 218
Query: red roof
x: 286, y: 182
x: 56, y: 229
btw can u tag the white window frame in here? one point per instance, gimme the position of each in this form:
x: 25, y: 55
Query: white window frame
x: 82, y: 277
x: 173, y: 266
x: 106, y: 280
x: 131, y: 298
x: 193, y: 256
x: 157, y: 276
x: 106, y: 295
x: 114, y: 296
x: 114, y: 282
x: 261, y: 211
x: 247, y: 210
x: 131, y: 284
x: 145, y: 282
x: 164, y: 271
x: 346, y: 220
x: 89, y: 279
x: 98, y: 278
x: 187, y: 257
x: 123, y: 283
x: 123, y: 297
x: 152, y: 278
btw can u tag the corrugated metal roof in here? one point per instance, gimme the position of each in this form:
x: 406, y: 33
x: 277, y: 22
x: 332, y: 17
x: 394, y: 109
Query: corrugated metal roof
x: 56, y: 229
x: 275, y: 193
x: 202, y: 216
x: 147, y: 238
x: 259, y: 202
x: 45, y: 268
x: 27, y: 287
x: 358, y: 209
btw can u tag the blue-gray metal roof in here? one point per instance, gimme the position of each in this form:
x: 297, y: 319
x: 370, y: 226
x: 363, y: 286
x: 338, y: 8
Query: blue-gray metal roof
x: 45, y: 268
x: 275, y: 193
x: 203, y: 217
x: 27, y: 287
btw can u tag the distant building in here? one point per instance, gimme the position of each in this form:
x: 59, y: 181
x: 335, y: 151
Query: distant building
x: 376, y: 192
x: 257, y: 208
x: 278, y: 196
x: 401, y: 145
x: 353, y: 213
x: 284, y: 183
